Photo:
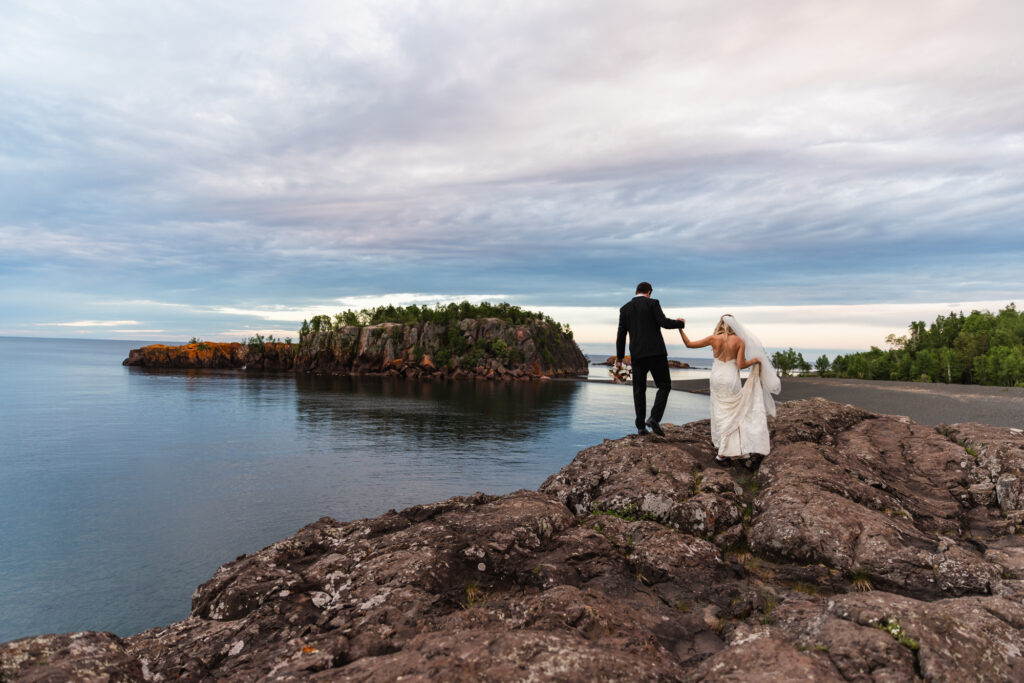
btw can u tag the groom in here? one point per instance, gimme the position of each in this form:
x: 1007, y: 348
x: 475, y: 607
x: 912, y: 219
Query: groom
x: 642, y: 319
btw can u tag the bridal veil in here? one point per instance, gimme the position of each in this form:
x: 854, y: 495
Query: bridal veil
x: 769, y: 377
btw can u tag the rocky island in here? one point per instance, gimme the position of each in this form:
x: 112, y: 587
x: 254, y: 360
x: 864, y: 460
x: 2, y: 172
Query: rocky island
x: 457, y: 341
x: 863, y: 548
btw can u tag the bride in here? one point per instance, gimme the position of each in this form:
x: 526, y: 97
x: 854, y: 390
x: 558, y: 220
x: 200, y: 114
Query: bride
x: 739, y: 412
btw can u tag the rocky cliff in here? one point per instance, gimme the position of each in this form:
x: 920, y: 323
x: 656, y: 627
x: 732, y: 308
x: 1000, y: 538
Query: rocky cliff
x: 863, y: 548
x: 482, y: 347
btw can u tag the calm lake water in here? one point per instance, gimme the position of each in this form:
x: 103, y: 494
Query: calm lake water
x: 123, y: 489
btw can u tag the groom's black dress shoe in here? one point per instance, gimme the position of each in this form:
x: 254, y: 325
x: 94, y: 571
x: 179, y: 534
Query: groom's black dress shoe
x: 655, y: 427
x: 642, y: 432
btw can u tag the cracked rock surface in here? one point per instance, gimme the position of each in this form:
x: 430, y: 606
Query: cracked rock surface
x: 863, y: 548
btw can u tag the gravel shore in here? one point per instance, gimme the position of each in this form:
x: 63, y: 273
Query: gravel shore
x: 928, y: 404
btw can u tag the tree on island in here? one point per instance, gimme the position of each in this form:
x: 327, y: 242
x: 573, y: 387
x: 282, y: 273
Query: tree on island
x: 442, y: 314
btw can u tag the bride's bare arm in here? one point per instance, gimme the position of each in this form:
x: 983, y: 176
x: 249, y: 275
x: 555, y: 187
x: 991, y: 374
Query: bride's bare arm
x: 706, y: 341
x: 741, y: 361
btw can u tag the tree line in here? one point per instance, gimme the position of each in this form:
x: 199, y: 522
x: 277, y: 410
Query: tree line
x: 443, y: 314
x: 980, y: 348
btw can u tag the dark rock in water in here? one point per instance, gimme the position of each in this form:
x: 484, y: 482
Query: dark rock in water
x: 483, y: 348
x: 627, y: 360
x: 857, y: 550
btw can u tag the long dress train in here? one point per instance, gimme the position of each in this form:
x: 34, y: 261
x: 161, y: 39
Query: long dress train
x: 739, y: 421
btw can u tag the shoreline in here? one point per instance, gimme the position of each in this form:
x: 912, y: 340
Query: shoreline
x: 929, y: 404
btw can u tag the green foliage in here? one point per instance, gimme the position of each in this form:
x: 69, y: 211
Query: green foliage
x: 544, y: 339
x: 476, y: 595
x: 444, y: 314
x: 789, y: 360
x: 320, y: 323
x: 821, y: 365
x: 629, y: 512
x: 475, y: 353
x: 346, y: 319
x: 499, y: 349
x: 770, y: 603
x: 750, y: 484
x: 893, y: 628
x: 255, y: 343
x: 980, y: 348
x: 861, y: 580
x: 456, y: 341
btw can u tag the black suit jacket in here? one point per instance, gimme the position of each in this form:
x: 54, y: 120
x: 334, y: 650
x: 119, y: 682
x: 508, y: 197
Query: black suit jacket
x: 643, y: 319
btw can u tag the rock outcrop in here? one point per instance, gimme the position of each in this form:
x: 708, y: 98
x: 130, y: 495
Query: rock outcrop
x: 476, y: 348
x: 860, y: 549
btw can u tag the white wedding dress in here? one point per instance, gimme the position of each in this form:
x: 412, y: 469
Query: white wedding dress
x: 739, y: 421
x: 740, y: 410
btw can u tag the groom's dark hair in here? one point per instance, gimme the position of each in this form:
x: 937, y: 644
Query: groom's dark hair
x: 644, y: 288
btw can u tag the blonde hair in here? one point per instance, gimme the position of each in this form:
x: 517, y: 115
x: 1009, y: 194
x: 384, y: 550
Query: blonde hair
x: 723, y: 327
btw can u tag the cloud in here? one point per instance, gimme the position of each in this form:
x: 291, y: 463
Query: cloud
x: 263, y: 157
x: 282, y: 313
x: 91, y: 323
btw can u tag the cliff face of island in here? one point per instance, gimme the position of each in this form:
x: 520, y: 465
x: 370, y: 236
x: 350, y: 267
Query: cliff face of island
x: 864, y: 547
x: 483, y: 347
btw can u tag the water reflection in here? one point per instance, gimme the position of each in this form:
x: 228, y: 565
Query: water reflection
x: 122, y: 489
x: 439, y: 413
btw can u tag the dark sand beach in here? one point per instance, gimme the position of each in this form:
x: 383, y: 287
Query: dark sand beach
x: 928, y: 404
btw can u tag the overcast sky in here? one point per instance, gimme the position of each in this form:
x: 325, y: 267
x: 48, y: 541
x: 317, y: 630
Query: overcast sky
x: 832, y: 171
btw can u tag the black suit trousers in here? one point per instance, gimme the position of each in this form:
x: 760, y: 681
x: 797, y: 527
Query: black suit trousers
x: 658, y: 367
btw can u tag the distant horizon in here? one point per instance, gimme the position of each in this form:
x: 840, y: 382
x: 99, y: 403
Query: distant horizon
x: 599, y: 349
x: 809, y: 329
